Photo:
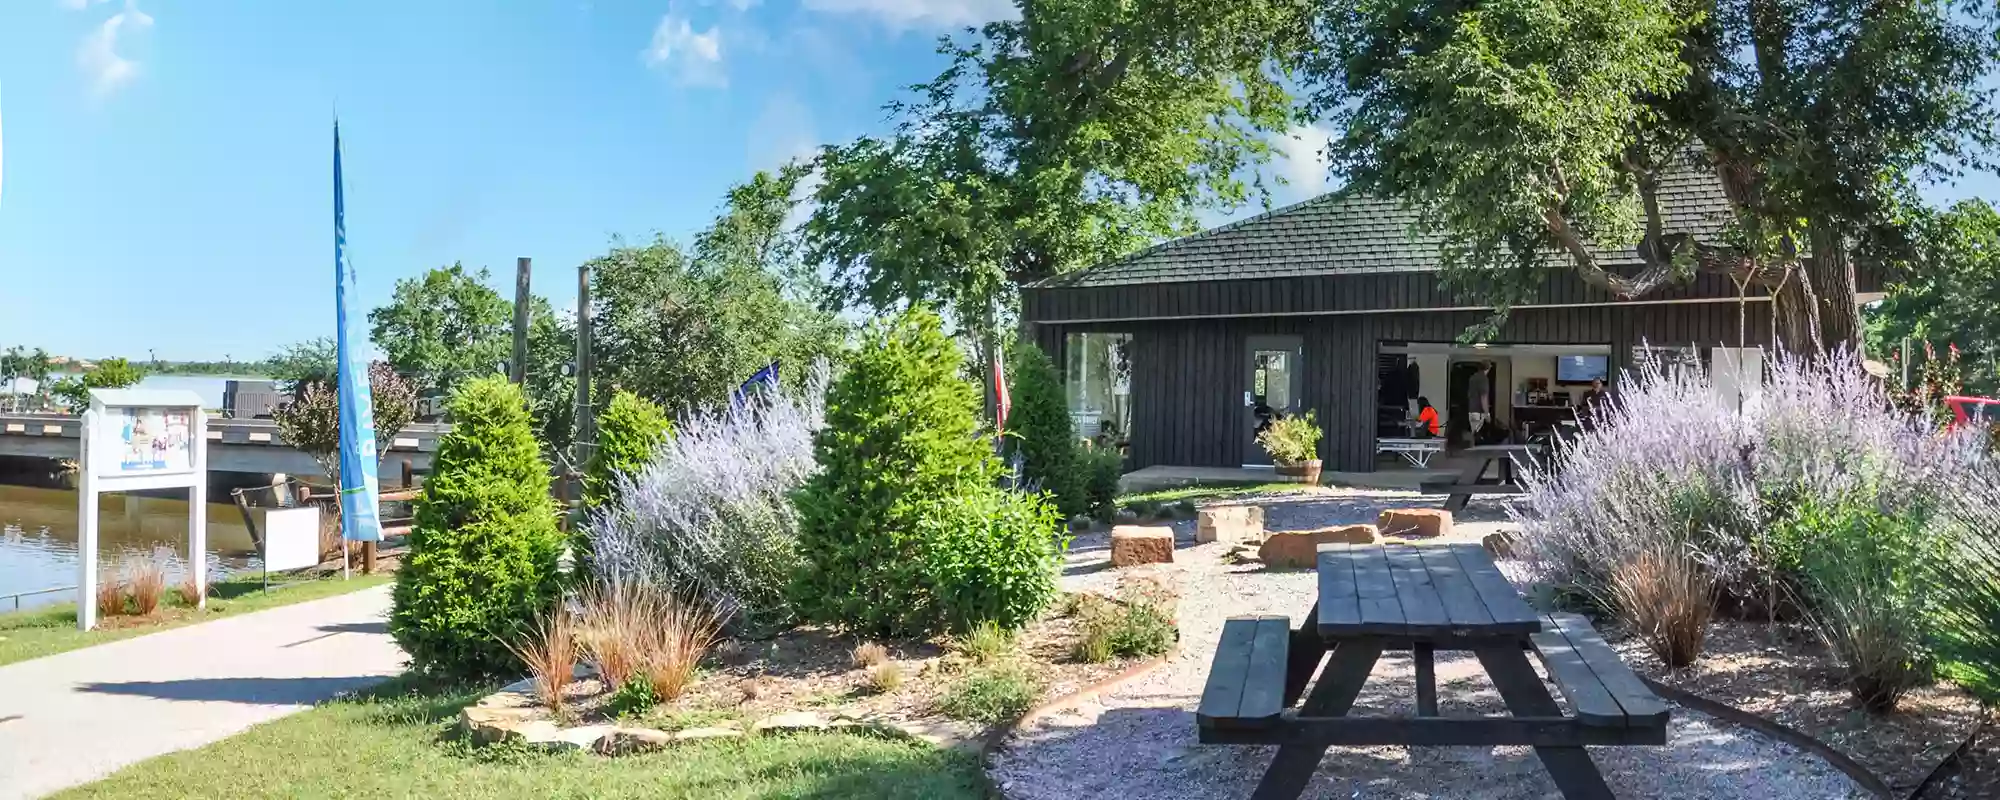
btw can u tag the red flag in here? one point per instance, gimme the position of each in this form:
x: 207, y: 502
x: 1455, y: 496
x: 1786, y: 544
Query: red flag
x: 1000, y: 391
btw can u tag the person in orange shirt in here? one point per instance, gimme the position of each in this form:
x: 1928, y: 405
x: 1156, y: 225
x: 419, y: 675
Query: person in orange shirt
x: 1428, y: 415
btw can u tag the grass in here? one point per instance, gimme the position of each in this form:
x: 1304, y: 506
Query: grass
x: 1207, y: 491
x: 393, y: 743
x: 48, y: 630
x: 988, y: 642
x: 991, y: 693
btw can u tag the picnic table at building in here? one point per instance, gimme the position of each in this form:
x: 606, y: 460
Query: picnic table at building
x: 1496, y: 458
x: 1421, y: 598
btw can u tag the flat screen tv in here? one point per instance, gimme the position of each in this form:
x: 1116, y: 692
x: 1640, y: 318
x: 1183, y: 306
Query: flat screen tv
x: 1582, y: 369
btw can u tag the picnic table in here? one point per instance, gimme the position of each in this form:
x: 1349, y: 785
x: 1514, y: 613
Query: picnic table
x: 1416, y: 452
x: 1421, y: 598
x: 1498, y: 458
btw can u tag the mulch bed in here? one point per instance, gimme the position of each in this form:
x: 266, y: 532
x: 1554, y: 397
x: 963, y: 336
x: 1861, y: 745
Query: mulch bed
x: 1784, y: 674
x: 1975, y: 774
x: 812, y: 669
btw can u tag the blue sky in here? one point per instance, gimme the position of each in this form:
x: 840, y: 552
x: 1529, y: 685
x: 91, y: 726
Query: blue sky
x: 167, y: 162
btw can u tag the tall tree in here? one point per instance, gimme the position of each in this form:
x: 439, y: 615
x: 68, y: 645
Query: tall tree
x: 444, y: 327
x: 1069, y: 136
x: 1950, y: 293
x: 685, y: 330
x: 1526, y: 130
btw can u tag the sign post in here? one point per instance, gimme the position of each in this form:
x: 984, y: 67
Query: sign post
x: 141, y: 439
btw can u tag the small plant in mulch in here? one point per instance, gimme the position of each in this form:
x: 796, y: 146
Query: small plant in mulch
x: 885, y: 677
x: 1138, y: 624
x: 549, y: 652
x: 987, y: 643
x: 990, y: 693
x: 870, y: 654
x: 1668, y: 599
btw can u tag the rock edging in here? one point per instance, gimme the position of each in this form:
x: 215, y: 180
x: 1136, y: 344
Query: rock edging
x: 1868, y: 780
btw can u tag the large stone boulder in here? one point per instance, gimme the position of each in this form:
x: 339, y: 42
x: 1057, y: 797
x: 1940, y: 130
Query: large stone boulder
x: 1230, y: 524
x: 1415, y: 523
x: 1300, y: 549
x: 1500, y: 544
x: 1132, y: 545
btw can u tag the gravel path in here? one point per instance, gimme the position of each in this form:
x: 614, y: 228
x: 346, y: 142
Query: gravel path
x: 1139, y: 742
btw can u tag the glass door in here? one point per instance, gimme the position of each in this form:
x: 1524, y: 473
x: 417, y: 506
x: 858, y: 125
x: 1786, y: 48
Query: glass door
x: 1272, y: 389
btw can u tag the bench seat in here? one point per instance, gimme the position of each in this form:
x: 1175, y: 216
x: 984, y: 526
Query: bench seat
x: 1602, y: 691
x: 1246, y: 681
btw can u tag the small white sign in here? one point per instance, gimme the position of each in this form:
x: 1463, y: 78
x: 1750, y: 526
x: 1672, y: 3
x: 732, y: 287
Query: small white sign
x: 291, y: 538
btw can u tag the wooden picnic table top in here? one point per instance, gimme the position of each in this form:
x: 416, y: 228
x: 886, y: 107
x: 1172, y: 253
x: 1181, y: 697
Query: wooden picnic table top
x: 1502, y: 449
x: 1418, y: 591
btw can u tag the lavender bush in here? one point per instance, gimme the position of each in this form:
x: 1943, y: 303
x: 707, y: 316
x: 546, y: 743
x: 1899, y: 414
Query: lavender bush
x: 710, y: 514
x: 1667, y: 460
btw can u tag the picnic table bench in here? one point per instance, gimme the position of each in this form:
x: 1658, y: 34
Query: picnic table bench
x: 1472, y: 480
x: 1421, y: 598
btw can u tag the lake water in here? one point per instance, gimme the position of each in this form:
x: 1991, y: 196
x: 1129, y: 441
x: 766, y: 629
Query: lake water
x: 38, y: 532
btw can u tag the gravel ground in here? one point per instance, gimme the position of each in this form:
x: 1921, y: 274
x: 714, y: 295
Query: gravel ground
x: 1139, y: 742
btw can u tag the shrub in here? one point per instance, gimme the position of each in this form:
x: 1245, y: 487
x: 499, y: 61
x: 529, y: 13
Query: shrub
x: 633, y: 697
x: 1139, y: 624
x: 1040, y: 432
x: 680, y: 635
x: 549, y: 651
x: 111, y: 590
x: 629, y: 430
x: 1963, y: 578
x: 1102, y: 467
x: 885, y: 677
x: 903, y: 531
x: 1292, y: 439
x: 311, y: 422
x: 188, y: 591
x: 1861, y: 575
x: 985, y: 643
x: 711, y: 514
x: 869, y: 654
x: 992, y: 693
x: 481, y: 565
x: 1666, y: 598
x: 612, y: 629
x: 147, y: 580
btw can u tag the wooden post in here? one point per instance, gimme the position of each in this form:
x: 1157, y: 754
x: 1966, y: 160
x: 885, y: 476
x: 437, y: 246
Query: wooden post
x: 367, y: 558
x: 585, y: 429
x: 409, y: 475
x: 519, y: 369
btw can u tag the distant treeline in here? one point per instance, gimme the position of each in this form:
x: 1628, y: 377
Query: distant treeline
x: 234, y: 369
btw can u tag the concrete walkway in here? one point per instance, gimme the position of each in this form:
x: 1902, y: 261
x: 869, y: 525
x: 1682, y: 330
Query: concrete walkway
x: 72, y: 718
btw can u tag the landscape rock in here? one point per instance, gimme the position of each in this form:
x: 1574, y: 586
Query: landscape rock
x: 1230, y: 524
x: 1501, y: 544
x: 584, y: 737
x: 1300, y: 549
x: 699, y: 734
x: 488, y: 725
x: 944, y: 733
x: 1132, y: 545
x: 1413, y: 523
x: 626, y: 741
x: 789, y: 722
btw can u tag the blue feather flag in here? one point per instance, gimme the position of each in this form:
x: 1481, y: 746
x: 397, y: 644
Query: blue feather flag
x: 360, y: 503
x: 766, y: 379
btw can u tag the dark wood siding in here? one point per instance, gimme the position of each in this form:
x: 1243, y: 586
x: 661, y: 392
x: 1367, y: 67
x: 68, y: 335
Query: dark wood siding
x: 1187, y: 375
x: 1324, y: 294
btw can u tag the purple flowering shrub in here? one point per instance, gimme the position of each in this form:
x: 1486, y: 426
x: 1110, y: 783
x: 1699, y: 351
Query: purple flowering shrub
x: 711, y: 513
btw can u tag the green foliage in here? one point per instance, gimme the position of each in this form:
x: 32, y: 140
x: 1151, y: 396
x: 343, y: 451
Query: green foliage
x: 686, y: 330
x: 1964, y: 579
x: 1525, y: 127
x: 20, y: 362
x: 445, y: 327
x: 1102, y: 467
x: 633, y: 699
x: 1039, y: 430
x: 482, y: 560
x: 311, y: 421
x: 112, y: 373
x: 310, y: 361
x: 628, y: 431
x: 986, y: 643
x: 1862, y: 571
x: 902, y: 531
x: 992, y: 693
x: 1139, y: 625
x: 1065, y: 138
x: 1292, y: 439
x: 1949, y: 293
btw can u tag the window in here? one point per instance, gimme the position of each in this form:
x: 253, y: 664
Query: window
x: 1098, y: 377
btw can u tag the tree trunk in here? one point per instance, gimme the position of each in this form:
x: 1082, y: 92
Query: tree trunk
x: 1795, y: 314
x: 1832, y: 274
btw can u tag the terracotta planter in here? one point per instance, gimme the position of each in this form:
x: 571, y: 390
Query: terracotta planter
x: 1305, y: 471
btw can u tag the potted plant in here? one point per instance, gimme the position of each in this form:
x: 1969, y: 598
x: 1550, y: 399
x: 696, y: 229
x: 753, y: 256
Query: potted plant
x: 1293, y: 442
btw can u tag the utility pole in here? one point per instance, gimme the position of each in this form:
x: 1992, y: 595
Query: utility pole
x: 586, y: 420
x: 519, y: 369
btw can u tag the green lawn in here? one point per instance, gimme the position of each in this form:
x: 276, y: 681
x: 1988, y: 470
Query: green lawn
x: 48, y: 630
x: 396, y: 742
x: 1208, y: 491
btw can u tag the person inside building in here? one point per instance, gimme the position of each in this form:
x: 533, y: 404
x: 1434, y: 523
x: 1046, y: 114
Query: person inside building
x: 1587, y: 407
x: 1427, y: 416
x: 1478, y: 401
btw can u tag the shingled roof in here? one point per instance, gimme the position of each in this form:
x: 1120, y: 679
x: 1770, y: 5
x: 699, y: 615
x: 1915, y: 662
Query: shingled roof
x: 1331, y: 233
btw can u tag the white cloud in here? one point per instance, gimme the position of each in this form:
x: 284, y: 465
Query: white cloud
x: 905, y: 14
x: 694, y: 58
x: 98, y: 55
x: 1304, y: 166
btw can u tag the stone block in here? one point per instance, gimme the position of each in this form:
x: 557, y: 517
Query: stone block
x: 1230, y: 524
x: 1415, y: 523
x: 1132, y: 545
x: 698, y: 734
x: 1300, y: 549
x: 789, y: 722
x: 488, y: 725
x: 625, y: 741
x: 1500, y: 544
